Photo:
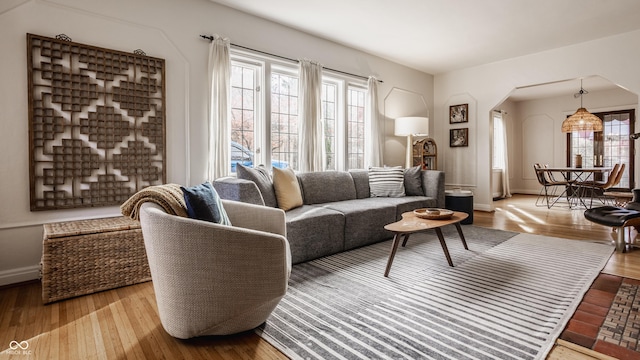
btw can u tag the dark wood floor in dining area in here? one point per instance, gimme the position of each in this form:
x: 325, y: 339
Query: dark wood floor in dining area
x: 123, y: 323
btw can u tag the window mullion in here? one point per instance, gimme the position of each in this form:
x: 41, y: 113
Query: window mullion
x: 341, y: 136
x: 265, y: 96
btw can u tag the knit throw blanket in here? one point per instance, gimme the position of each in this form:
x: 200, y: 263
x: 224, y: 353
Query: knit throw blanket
x: 169, y: 197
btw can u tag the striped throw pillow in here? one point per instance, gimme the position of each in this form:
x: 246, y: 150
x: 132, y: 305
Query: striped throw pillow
x: 386, y: 182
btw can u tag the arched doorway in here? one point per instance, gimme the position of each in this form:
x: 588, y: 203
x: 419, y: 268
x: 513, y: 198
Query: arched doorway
x: 533, y: 116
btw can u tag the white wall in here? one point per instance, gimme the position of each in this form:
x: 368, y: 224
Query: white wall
x: 538, y: 138
x: 486, y: 86
x: 166, y: 29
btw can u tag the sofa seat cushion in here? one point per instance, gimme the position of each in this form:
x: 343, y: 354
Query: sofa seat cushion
x: 364, y: 220
x: 409, y: 203
x: 314, y: 232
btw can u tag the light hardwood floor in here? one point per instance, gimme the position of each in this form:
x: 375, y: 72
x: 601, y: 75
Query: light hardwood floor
x: 123, y: 323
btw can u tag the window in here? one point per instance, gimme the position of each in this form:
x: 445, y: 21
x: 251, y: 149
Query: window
x: 244, y: 93
x: 609, y: 147
x: 268, y: 119
x: 617, y: 147
x: 355, y: 127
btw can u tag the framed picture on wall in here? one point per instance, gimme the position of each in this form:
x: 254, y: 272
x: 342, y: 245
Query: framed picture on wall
x: 458, y: 114
x: 459, y: 137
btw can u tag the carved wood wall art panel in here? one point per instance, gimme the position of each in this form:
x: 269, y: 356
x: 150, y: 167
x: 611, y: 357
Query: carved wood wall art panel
x: 96, y: 124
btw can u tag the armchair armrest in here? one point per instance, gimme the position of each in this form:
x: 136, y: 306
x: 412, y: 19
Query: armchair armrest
x: 256, y: 217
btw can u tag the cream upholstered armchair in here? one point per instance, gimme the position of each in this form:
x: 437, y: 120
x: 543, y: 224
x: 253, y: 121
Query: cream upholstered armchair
x: 212, y: 279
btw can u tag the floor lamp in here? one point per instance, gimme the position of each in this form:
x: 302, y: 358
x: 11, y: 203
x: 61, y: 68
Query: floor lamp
x: 410, y: 126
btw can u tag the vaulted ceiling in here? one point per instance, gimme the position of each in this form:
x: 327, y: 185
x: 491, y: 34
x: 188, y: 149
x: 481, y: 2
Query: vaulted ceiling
x: 437, y: 36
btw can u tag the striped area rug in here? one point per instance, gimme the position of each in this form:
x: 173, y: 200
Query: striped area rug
x: 508, y: 297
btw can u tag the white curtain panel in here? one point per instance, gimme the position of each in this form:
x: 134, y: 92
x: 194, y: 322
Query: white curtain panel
x: 311, y: 152
x: 219, y: 160
x: 373, y: 138
x: 506, y: 187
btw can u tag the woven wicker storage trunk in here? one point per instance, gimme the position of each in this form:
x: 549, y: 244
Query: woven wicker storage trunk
x: 87, y: 256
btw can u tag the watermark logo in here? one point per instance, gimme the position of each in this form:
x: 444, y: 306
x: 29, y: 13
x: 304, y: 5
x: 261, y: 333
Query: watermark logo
x: 14, y: 345
x: 19, y: 348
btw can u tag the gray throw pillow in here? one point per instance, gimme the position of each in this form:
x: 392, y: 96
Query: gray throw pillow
x: 386, y: 182
x: 203, y: 203
x: 413, y: 181
x: 261, y: 177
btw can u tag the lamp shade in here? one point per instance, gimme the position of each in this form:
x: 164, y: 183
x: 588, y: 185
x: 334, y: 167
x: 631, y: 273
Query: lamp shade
x: 412, y: 125
x: 582, y: 120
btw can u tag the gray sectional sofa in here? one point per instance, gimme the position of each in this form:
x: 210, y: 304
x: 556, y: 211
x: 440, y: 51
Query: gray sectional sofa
x: 338, y: 213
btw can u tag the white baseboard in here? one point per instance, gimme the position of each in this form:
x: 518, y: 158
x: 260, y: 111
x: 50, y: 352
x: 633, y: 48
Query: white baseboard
x: 525, y: 191
x: 483, y: 207
x: 19, y: 275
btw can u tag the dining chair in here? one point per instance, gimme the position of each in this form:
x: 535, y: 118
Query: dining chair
x: 550, y: 186
x: 597, y: 188
x: 619, y: 175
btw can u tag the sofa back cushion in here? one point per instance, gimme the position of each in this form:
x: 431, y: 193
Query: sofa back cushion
x: 236, y: 189
x: 326, y: 186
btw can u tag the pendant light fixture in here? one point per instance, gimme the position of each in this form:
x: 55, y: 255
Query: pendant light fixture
x: 582, y: 120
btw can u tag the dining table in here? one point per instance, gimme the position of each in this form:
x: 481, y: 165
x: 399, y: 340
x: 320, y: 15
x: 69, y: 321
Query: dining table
x: 577, y: 175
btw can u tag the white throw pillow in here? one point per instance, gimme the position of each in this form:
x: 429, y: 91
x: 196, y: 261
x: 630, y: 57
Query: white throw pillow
x: 386, y: 182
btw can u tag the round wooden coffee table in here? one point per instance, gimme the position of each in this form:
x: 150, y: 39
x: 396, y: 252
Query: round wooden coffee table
x: 410, y: 224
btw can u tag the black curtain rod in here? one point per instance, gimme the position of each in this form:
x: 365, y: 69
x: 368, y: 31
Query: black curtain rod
x: 210, y: 38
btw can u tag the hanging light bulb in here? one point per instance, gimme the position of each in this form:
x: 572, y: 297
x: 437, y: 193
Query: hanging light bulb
x: 582, y: 120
